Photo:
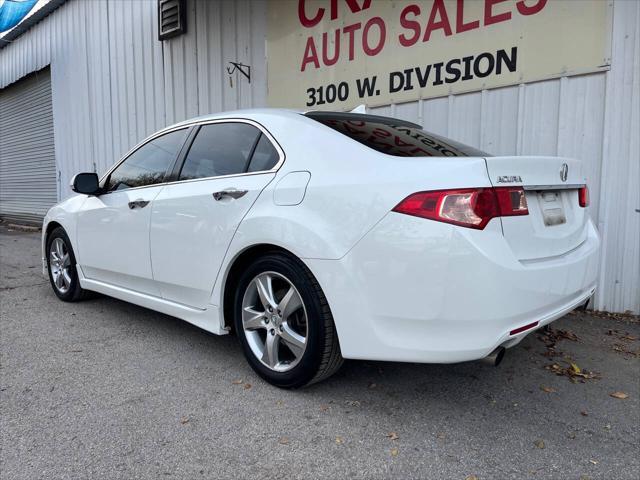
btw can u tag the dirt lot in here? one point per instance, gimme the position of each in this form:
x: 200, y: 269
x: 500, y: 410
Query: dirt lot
x: 104, y: 389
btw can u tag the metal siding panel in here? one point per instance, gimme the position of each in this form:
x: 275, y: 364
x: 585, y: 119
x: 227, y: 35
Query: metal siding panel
x: 258, y: 53
x: 499, y: 121
x: 27, y: 160
x: 435, y: 114
x: 408, y: 111
x: 464, y: 117
x: 203, y: 31
x: 619, y: 216
x: 580, y: 127
x: 538, y: 118
x: 229, y: 54
x: 243, y: 51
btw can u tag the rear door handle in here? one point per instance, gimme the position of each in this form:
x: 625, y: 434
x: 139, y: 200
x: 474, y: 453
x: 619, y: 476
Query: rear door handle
x: 232, y: 193
x: 139, y: 203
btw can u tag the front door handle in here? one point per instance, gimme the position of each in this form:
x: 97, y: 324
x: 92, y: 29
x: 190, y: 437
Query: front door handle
x: 139, y: 203
x: 232, y: 193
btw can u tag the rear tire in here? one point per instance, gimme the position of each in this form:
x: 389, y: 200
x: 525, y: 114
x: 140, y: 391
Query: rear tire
x: 284, y: 322
x: 61, y: 265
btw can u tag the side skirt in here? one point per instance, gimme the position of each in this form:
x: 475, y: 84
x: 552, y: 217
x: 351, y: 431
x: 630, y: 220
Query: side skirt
x: 208, y: 319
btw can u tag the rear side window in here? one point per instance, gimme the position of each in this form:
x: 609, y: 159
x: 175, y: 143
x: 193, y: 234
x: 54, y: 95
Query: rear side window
x: 394, y: 137
x: 220, y: 149
x: 264, y: 157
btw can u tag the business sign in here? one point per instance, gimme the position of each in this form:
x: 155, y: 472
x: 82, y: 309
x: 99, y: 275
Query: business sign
x: 337, y: 54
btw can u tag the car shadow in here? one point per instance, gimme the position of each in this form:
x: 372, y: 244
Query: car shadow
x: 359, y: 383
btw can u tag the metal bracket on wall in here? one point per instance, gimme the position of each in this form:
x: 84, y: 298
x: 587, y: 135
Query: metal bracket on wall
x: 240, y: 67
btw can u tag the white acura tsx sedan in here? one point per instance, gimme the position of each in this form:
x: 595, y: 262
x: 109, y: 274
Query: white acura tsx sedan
x: 322, y: 236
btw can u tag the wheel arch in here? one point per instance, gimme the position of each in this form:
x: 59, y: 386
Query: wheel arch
x: 46, y: 232
x: 236, y: 266
x: 51, y: 226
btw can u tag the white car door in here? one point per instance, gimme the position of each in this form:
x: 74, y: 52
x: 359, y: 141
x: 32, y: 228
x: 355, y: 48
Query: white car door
x: 113, y: 228
x: 194, y: 219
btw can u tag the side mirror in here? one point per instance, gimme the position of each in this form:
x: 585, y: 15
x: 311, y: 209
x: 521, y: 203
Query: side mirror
x: 86, y: 183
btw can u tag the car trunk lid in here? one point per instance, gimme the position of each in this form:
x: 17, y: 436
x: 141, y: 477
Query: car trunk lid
x: 556, y: 223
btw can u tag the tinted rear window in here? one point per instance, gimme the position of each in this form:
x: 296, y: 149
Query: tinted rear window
x: 394, y: 137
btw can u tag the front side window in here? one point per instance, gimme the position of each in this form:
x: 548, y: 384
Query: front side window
x: 220, y: 149
x: 149, y: 163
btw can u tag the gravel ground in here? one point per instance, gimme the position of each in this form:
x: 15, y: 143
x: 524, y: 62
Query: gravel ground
x: 105, y: 389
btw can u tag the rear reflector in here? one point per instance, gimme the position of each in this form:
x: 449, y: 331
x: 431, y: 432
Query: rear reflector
x: 523, y: 328
x: 583, y: 196
x: 466, y: 207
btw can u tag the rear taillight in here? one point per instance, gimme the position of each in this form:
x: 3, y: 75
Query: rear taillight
x: 583, y: 196
x: 466, y: 207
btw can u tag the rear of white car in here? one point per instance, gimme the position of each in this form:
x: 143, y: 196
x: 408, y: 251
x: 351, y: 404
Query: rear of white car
x: 469, y: 260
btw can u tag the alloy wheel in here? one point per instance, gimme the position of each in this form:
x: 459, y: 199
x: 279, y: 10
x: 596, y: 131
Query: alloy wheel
x: 274, y: 320
x: 60, y: 264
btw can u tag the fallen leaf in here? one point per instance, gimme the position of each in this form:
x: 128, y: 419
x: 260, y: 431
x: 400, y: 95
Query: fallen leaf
x: 573, y: 372
x: 584, y: 413
x: 393, y: 435
x: 353, y: 403
x: 595, y: 462
x: 440, y: 435
x: 283, y: 441
x: 247, y: 386
x: 471, y: 477
x: 539, y: 443
x: 547, y: 389
x: 324, y: 408
x: 238, y: 382
x: 373, y: 385
x: 184, y: 420
x: 569, y: 335
x: 339, y: 441
x: 623, y: 349
x: 279, y: 403
x: 619, y: 395
x: 394, y: 452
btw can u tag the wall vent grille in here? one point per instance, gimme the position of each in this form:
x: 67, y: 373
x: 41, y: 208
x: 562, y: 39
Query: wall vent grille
x: 171, y: 18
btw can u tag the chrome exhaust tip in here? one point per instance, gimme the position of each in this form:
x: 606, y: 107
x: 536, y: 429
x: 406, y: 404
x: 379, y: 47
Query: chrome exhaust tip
x: 495, y: 357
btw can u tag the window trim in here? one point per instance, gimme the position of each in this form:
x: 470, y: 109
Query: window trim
x: 181, y: 156
x: 107, y: 175
x: 262, y: 129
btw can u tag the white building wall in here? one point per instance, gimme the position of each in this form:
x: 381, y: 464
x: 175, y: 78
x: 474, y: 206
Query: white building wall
x: 114, y: 83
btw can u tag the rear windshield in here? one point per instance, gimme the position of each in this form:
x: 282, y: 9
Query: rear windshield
x: 394, y: 137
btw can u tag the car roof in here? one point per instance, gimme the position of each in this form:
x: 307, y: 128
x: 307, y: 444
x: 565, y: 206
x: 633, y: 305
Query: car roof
x: 258, y: 114
x: 249, y: 113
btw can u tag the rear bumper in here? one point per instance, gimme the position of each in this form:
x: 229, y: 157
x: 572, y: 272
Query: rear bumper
x: 421, y: 291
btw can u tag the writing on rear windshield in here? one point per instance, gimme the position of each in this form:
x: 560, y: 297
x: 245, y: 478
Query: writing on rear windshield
x: 396, y: 139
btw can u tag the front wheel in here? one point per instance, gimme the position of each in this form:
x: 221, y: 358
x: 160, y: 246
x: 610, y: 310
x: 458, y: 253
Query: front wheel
x: 61, y: 264
x: 284, y: 323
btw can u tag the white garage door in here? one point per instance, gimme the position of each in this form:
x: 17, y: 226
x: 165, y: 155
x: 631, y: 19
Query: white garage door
x: 27, y: 162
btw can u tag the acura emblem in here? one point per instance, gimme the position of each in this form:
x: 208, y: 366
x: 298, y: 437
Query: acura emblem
x: 564, y: 172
